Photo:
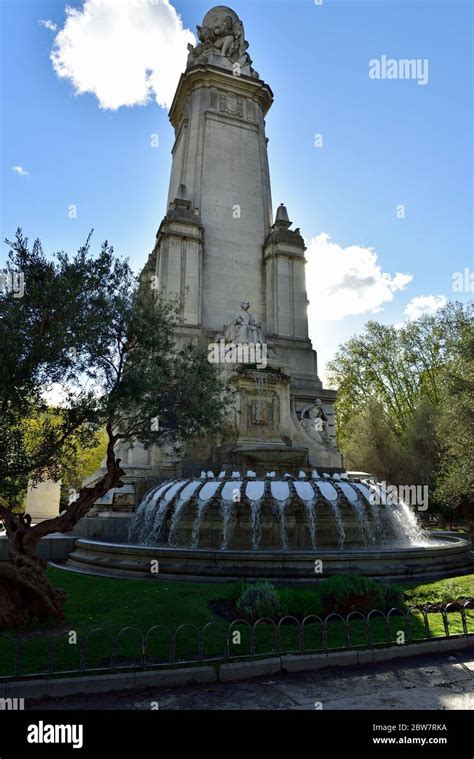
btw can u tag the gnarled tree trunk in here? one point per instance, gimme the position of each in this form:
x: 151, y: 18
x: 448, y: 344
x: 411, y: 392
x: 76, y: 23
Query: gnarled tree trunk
x: 26, y: 594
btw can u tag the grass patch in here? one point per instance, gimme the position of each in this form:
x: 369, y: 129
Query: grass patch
x: 440, y: 591
x: 112, y: 604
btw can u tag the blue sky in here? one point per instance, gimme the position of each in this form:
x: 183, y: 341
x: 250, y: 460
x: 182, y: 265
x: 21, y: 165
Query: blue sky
x: 385, y: 143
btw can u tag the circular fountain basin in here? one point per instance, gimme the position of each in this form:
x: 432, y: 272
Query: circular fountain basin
x: 448, y: 556
x: 278, y: 528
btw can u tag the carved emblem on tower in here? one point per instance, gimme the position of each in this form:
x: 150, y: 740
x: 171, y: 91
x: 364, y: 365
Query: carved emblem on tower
x: 232, y: 106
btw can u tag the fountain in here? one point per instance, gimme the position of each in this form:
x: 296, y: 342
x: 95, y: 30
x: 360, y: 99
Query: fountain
x: 243, y: 526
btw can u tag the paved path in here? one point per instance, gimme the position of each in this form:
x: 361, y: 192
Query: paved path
x: 432, y: 682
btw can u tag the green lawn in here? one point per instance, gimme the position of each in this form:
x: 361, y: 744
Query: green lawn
x: 440, y: 590
x: 112, y: 604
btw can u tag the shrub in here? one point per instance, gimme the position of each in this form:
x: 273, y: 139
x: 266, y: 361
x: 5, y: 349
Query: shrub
x: 259, y: 600
x: 300, y: 603
x: 236, y: 589
x: 346, y: 593
x: 394, y: 597
x: 341, y: 594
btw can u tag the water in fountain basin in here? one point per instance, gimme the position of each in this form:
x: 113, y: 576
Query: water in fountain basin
x: 311, y: 519
x: 281, y: 505
x: 281, y: 497
x: 154, y: 534
x: 377, y: 520
x: 183, y: 499
x: 255, y: 492
x: 365, y: 528
x: 206, y: 494
x: 331, y: 496
x: 306, y: 494
x: 400, y: 525
x: 201, y: 506
x: 407, y: 524
x: 376, y: 512
x: 146, y: 512
x: 336, y: 512
x: 230, y: 494
x: 137, y: 522
x: 165, y: 504
x: 226, y: 516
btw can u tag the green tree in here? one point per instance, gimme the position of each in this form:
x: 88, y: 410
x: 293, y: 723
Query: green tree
x: 455, y: 481
x: 80, y: 463
x: 86, y: 324
x: 397, y: 367
x: 369, y: 442
x: 392, y: 390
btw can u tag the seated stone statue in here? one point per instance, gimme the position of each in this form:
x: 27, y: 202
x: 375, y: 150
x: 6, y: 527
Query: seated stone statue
x: 315, y: 422
x: 244, y: 328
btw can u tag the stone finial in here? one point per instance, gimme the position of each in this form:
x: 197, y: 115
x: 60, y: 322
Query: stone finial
x: 282, y: 218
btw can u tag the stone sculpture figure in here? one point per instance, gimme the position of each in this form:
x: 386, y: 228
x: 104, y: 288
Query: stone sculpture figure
x: 240, y: 45
x: 315, y: 422
x: 244, y: 328
x: 223, y: 35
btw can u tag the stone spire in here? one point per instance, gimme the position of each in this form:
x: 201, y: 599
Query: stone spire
x: 282, y: 218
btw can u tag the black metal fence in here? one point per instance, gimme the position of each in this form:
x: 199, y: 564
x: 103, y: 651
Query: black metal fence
x: 100, y: 651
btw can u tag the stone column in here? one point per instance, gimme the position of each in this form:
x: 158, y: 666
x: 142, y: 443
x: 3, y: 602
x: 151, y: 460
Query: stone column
x: 177, y: 259
x: 220, y: 159
x: 286, y: 300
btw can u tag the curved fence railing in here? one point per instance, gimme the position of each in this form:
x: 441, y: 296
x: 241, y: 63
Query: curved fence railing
x: 99, y: 650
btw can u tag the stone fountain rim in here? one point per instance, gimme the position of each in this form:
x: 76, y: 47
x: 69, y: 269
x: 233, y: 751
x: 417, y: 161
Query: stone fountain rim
x: 453, y: 544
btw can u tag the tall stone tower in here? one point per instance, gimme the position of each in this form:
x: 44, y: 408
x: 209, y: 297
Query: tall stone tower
x: 209, y: 245
x: 237, y: 270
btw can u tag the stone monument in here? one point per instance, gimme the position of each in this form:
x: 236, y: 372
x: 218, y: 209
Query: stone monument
x: 237, y: 271
x: 268, y: 496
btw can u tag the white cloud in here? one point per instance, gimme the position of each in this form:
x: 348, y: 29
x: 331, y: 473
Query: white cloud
x: 346, y: 281
x: 424, y: 304
x: 48, y: 24
x: 20, y: 170
x: 124, y: 52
